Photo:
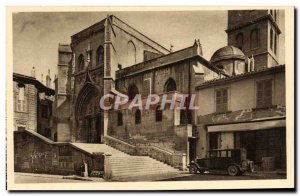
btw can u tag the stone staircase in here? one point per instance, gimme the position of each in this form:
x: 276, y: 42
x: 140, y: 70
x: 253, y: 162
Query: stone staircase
x: 98, y: 148
x: 139, y: 168
x: 120, y: 166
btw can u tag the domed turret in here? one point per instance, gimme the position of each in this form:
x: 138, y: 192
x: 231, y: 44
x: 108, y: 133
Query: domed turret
x: 230, y: 59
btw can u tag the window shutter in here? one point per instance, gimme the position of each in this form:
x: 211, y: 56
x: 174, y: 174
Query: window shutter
x: 259, y: 94
x: 268, y: 93
x: 221, y: 100
x: 264, y: 93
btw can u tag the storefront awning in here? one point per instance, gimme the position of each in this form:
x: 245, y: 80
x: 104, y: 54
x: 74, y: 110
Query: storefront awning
x: 247, y: 126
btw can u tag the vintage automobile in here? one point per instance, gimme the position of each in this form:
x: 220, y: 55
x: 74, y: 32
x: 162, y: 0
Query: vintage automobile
x: 234, y: 161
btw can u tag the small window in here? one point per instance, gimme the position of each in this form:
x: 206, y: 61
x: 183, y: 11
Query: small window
x: 21, y: 105
x: 132, y: 92
x: 131, y: 53
x: 80, y: 63
x: 158, y: 114
x: 254, y: 39
x: 240, y: 41
x: 170, y: 85
x: 138, y: 117
x: 223, y: 153
x: 222, y: 100
x: 271, y: 39
x: 120, y: 119
x: 229, y: 153
x: 45, y: 111
x: 264, y: 94
x: 55, y: 139
x: 100, y: 56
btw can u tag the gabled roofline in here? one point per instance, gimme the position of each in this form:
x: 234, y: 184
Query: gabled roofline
x: 168, y: 51
x: 31, y: 80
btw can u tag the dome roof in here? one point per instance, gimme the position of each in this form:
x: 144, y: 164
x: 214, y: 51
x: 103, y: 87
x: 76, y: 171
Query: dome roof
x: 227, y: 52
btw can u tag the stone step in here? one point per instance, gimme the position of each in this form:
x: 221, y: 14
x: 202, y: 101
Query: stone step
x: 141, y: 173
x: 148, y: 164
x: 148, y: 177
x: 157, y: 167
x: 135, y: 172
x: 139, y: 164
x: 133, y: 161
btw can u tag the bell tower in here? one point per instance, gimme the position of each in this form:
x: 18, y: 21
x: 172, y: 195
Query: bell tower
x: 256, y: 33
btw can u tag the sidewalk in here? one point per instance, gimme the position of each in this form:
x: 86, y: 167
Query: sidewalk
x: 71, y: 177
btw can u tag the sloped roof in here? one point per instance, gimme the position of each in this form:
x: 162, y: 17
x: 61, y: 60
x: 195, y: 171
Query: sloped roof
x: 191, y: 52
x: 31, y: 80
x: 279, y: 68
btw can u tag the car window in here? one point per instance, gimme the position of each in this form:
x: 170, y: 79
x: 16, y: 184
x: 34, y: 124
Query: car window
x: 229, y: 153
x: 223, y: 153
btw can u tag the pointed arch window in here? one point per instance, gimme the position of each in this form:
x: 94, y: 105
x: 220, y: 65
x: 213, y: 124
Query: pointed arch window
x: 158, y: 114
x: 254, y: 39
x: 138, y: 117
x: 100, y: 56
x: 80, y: 62
x: 170, y: 85
x: 132, y: 91
x: 131, y: 53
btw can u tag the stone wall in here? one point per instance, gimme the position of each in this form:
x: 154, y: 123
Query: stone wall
x: 36, y: 154
x: 149, y: 131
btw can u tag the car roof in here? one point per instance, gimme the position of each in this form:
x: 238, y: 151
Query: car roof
x: 225, y: 149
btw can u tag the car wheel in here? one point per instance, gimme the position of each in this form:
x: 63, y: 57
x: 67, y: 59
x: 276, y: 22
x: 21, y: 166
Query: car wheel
x: 193, y: 169
x: 233, y: 170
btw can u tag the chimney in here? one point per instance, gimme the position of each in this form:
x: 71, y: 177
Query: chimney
x: 48, y: 79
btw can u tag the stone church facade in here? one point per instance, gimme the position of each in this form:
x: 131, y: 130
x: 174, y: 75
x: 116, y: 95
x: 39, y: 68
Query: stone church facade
x: 112, y: 57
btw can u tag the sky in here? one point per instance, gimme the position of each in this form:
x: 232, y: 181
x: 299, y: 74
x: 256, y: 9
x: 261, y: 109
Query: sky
x: 36, y: 35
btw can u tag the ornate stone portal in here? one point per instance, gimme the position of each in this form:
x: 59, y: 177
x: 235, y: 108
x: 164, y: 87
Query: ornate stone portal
x: 89, y: 123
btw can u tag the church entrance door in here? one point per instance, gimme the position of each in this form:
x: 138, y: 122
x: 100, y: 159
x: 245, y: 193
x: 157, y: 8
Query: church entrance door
x: 93, y: 128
